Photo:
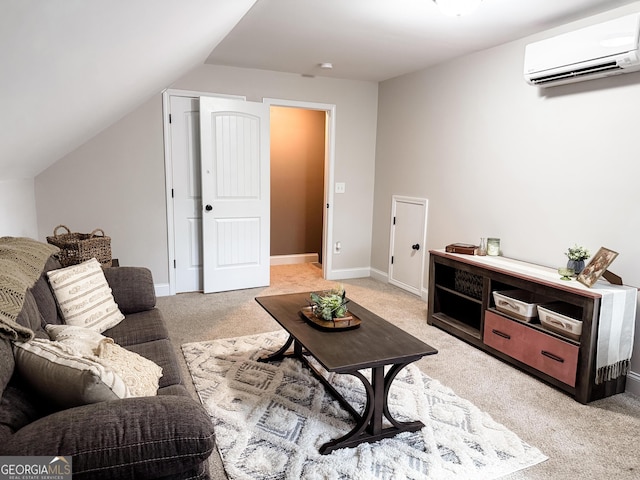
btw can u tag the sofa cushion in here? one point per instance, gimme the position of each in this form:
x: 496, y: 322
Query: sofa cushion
x: 30, y: 316
x: 162, y: 353
x: 150, y: 437
x: 132, y: 288
x: 84, y: 297
x: 19, y: 406
x: 6, y: 363
x: 44, y: 296
x: 58, y: 373
x: 138, y: 328
x: 176, y: 389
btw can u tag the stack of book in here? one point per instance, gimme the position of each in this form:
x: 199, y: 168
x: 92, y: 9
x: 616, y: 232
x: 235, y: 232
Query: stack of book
x: 465, y: 248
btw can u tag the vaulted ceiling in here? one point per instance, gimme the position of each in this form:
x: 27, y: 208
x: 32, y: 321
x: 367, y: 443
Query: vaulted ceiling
x: 70, y: 68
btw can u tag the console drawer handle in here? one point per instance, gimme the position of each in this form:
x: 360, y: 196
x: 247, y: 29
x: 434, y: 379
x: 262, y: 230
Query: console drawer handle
x: 501, y: 334
x: 552, y: 356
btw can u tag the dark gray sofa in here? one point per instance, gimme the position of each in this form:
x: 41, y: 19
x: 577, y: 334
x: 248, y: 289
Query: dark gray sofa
x: 168, y: 436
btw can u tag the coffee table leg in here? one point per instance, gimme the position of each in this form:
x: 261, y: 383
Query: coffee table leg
x: 355, y: 436
x: 403, y: 426
x: 280, y: 354
x: 369, y: 425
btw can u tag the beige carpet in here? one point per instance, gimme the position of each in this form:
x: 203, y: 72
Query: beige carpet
x: 595, y: 441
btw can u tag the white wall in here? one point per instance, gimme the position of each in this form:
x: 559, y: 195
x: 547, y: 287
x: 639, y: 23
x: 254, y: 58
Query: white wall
x: 356, y: 120
x: 18, y: 209
x: 116, y: 180
x: 541, y: 169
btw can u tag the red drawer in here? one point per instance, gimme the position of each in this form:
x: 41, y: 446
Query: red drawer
x: 541, y: 351
x: 553, y: 356
x: 505, y: 335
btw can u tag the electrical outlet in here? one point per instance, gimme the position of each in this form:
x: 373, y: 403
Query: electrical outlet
x: 340, y: 187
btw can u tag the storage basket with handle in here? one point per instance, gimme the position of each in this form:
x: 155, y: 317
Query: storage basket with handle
x: 78, y: 247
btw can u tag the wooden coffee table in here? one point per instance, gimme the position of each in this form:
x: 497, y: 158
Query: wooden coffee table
x: 375, y: 344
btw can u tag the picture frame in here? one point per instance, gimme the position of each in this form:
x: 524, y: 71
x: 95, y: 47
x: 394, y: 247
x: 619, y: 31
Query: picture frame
x: 597, y: 266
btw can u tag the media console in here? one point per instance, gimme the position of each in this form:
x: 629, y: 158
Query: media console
x: 461, y: 302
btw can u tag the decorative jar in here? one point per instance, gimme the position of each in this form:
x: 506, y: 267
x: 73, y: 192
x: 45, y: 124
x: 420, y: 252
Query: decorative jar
x: 576, y: 265
x: 482, y: 249
x: 493, y: 246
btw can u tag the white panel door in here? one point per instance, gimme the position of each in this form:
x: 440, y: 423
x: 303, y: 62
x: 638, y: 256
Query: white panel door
x: 234, y: 138
x: 187, y: 201
x: 408, y: 237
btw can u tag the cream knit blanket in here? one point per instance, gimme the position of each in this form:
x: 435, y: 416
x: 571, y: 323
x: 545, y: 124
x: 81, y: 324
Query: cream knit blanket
x: 21, y: 263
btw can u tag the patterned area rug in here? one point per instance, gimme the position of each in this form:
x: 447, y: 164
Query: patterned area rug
x: 271, y: 418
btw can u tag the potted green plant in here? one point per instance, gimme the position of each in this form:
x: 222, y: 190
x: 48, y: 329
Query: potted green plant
x: 331, y: 304
x: 577, y: 255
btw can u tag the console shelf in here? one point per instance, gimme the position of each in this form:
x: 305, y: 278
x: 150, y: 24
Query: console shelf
x: 461, y: 302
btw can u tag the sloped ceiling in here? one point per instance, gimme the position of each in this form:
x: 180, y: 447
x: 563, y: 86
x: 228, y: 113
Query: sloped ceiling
x: 70, y: 68
x: 380, y: 39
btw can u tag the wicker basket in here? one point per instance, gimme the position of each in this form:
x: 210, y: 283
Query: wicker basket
x: 79, y: 247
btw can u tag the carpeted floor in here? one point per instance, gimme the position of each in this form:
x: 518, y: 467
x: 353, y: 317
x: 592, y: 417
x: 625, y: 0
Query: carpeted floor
x: 599, y: 440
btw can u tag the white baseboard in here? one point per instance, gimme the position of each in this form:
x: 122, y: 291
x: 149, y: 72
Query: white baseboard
x: 379, y: 275
x: 294, y: 259
x: 424, y: 294
x: 633, y: 383
x: 162, y: 289
x: 345, y: 274
x: 384, y: 277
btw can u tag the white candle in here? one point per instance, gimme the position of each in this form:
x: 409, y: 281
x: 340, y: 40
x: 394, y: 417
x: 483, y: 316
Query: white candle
x: 493, y: 246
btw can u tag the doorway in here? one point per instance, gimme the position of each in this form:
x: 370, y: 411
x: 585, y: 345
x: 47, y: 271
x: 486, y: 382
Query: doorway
x: 328, y: 112
x: 183, y: 243
x: 297, y: 184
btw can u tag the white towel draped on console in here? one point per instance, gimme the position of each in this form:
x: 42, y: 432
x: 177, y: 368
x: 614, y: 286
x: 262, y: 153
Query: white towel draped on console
x: 615, y: 330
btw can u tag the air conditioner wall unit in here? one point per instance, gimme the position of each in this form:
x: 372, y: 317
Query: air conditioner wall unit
x: 601, y: 50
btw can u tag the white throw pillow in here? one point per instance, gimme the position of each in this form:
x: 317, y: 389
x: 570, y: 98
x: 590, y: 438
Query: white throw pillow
x: 84, y: 297
x: 83, y: 340
x: 61, y: 374
x: 140, y: 375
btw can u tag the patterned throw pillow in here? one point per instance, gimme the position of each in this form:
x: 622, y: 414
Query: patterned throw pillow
x: 83, y: 340
x: 140, y: 375
x: 59, y: 373
x: 84, y: 297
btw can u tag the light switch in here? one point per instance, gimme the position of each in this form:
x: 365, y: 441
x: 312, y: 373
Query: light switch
x: 340, y: 187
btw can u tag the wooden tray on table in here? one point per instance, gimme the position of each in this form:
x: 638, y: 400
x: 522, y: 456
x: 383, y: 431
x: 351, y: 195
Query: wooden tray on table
x: 338, y: 324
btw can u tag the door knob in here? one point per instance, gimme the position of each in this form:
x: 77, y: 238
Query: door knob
x: 416, y: 246
x: 208, y: 208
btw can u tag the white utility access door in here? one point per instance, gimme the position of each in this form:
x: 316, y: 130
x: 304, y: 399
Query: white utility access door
x: 234, y: 138
x: 407, y: 245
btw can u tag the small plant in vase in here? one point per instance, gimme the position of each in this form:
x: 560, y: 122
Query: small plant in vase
x: 331, y: 304
x: 577, y: 255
